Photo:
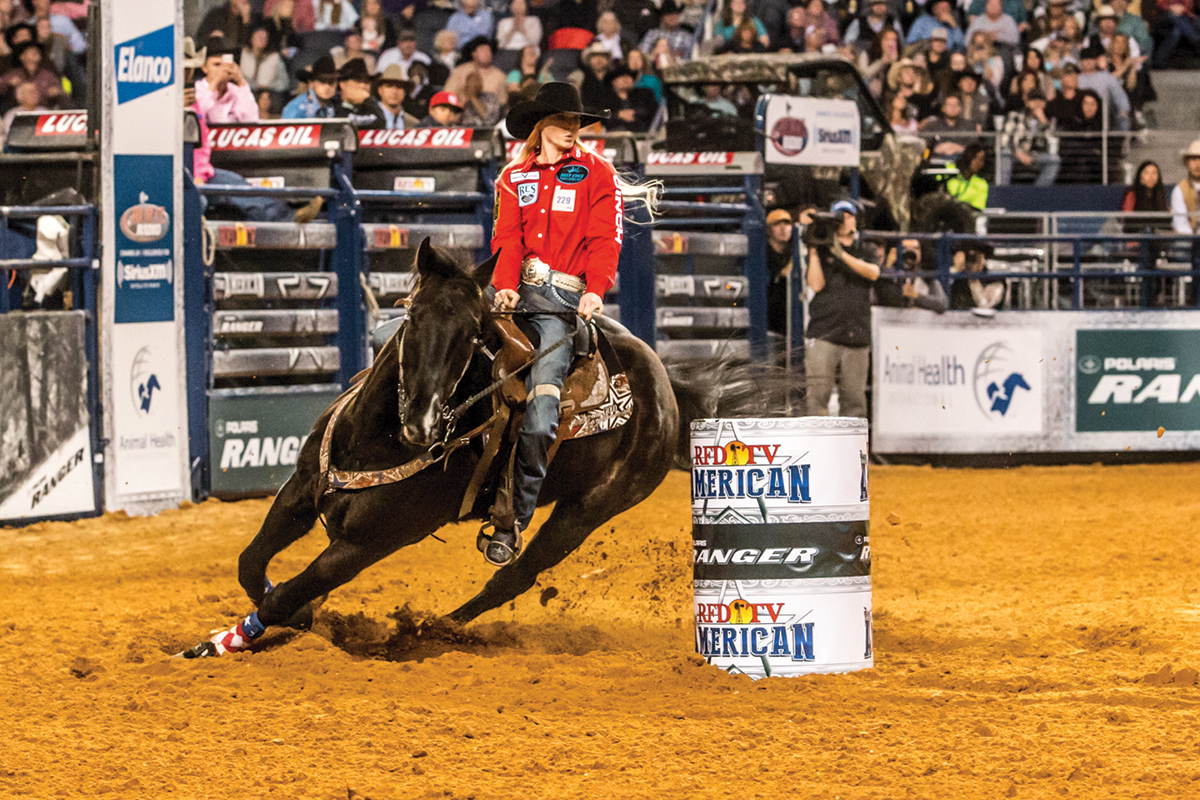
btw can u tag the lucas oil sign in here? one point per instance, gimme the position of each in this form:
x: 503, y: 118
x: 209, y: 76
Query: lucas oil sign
x: 782, y: 548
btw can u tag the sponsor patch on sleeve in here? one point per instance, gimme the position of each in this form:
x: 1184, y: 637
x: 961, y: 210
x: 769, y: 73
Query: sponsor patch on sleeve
x: 527, y: 194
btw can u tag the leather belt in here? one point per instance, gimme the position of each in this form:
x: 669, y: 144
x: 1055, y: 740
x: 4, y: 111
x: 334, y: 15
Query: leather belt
x: 536, y: 272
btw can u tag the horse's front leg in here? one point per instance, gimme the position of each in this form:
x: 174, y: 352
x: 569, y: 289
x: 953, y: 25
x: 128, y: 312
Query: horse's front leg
x: 339, y: 563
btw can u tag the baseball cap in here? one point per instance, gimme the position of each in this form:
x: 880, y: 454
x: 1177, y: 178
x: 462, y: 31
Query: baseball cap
x: 844, y: 205
x: 778, y: 215
x: 446, y: 99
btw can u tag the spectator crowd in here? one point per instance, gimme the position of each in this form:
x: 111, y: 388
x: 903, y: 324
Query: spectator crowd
x: 943, y: 69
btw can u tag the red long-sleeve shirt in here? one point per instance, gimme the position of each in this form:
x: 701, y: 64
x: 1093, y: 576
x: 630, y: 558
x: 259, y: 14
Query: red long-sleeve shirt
x: 569, y: 214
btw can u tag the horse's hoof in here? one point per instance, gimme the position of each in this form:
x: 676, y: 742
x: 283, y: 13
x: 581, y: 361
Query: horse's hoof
x: 202, y: 650
x: 501, y: 548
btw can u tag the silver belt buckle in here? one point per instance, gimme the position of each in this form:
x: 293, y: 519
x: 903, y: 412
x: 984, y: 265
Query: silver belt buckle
x: 535, y: 271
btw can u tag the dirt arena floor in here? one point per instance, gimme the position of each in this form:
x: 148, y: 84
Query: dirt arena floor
x: 1035, y: 636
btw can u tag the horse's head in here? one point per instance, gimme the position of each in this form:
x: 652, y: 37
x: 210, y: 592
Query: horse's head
x: 446, y: 315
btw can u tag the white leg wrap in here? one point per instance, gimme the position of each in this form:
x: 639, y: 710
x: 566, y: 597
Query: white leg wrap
x: 548, y: 389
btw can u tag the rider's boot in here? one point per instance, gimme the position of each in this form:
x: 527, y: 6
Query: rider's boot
x: 503, y: 545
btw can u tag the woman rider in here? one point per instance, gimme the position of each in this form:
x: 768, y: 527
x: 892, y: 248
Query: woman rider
x: 559, y: 219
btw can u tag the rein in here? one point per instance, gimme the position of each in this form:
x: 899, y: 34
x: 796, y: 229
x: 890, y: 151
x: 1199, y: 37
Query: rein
x: 350, y: 479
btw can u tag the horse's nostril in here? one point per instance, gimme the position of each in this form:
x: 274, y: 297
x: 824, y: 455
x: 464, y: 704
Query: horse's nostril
x: 412, y: 433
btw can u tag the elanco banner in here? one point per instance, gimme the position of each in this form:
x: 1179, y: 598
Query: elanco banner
x: 807, y: 130
x: 144, y: 377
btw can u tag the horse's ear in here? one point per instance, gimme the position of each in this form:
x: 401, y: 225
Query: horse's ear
x: 483, y: 273
x: 430, y: 261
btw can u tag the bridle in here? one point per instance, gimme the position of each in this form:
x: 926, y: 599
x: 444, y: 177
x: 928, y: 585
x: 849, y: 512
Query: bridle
x: 449, y: 414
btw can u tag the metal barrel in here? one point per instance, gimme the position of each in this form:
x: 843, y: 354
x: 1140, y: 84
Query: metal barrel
x: 782, y: 560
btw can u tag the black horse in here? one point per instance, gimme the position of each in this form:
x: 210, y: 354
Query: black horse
x: 439, y: 360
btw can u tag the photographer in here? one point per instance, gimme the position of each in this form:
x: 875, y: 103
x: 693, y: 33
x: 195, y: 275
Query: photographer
x: 910, y: 292
x: 978, y: 292
x: 839, y: 327
x: 781, y: 233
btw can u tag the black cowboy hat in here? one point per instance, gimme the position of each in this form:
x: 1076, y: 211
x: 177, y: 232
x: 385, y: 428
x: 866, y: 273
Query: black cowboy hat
x: 552, y: 98
x: 220, y: 46
x: 11, y: 34
x: 20, y: 49
x: 669, y: 7
x: 355, y: 70
x: 321, y: 70
x: 467, y: 52
x: 620, y: 71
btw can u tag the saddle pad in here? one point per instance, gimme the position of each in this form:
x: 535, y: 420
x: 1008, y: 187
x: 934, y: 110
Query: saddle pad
x: 613, y: 412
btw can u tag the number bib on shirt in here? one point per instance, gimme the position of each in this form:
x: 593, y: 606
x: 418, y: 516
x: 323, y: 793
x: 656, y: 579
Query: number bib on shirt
x: 564, y: 199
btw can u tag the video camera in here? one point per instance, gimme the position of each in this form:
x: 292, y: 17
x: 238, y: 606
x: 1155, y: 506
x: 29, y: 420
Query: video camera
x: 822, y: 231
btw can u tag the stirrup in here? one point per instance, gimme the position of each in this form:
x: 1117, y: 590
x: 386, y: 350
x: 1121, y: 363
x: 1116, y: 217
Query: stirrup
x: 502, y: 547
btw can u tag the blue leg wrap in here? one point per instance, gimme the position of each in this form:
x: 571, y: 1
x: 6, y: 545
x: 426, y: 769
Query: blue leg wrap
x: 252, y: 627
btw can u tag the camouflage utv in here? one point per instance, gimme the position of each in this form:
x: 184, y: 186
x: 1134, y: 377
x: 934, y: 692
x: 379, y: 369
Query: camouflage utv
x: 711, y: 106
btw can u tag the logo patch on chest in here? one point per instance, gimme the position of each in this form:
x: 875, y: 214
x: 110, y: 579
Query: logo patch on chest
x: 564, y: 199
x: 517, y: 177
x: 527, y: 194
x: 573, y: 173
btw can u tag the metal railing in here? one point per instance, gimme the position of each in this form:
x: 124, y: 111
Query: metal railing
x: 1117, y: 266
x: 1109, y: 145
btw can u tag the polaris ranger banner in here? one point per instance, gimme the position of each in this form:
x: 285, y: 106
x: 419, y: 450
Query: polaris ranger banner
x: 255, y: 438
x: 1137, y: 380
x: 811, y: 131
x: 45, y: 442
x: 1107, y: 382
x: 142, y: 295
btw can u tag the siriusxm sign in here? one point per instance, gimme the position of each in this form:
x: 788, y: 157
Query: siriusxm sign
x: 145, y: 64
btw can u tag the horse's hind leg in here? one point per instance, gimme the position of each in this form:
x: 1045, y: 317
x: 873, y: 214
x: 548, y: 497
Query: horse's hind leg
x: 292, y: 515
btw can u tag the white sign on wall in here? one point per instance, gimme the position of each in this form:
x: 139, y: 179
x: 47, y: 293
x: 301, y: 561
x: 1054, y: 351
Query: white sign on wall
x: 145, y: 397
x: 981, y: 383
x: 808, y: 130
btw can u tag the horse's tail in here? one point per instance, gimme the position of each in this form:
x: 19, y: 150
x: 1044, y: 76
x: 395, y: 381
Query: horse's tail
x: 721, y: 387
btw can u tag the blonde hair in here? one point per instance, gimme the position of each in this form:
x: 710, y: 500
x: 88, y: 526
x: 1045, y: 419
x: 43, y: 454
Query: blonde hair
x: 645, y: 193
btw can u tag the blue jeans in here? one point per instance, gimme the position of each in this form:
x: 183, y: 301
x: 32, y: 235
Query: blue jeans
x: 1047, y: 165
x: 256, y: 209
x: 544, y: 384
x: 1182, y: 27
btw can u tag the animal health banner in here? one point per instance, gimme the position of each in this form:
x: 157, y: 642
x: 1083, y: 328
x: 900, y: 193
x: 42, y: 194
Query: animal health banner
x: 812, y: 131
x: 142, y: 294
x: 959, y: 386
x: 1105, y: 382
